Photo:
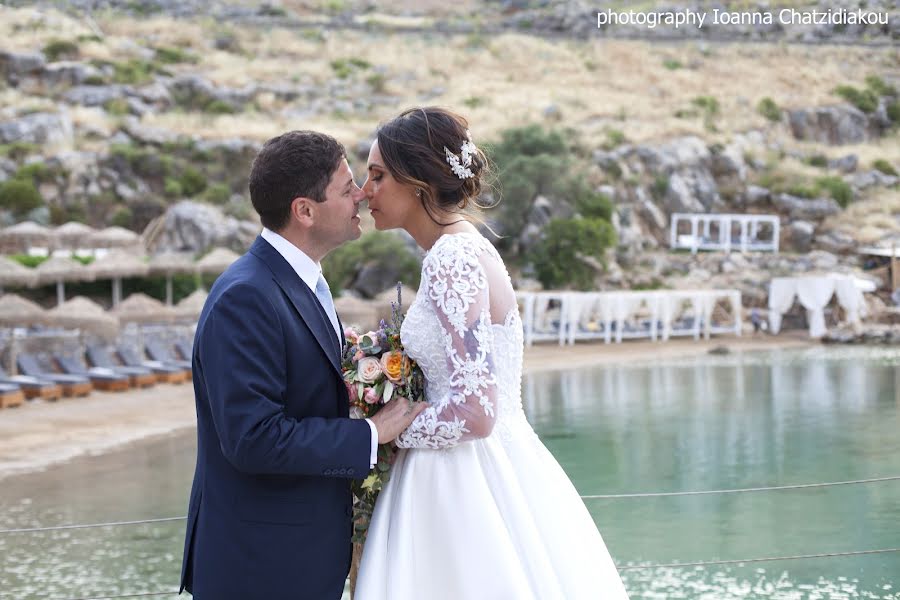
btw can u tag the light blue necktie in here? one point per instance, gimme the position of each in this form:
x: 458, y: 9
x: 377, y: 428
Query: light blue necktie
x: 323, y: 293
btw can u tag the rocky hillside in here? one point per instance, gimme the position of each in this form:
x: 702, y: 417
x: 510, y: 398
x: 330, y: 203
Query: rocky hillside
x: 114, y: 112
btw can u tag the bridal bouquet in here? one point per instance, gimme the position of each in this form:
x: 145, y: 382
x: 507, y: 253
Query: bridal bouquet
x: 377, y: 369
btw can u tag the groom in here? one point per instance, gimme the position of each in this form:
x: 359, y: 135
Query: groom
x: 270, y: 509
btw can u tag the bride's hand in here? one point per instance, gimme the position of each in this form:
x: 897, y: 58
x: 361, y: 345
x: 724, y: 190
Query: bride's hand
x: 395, y: 417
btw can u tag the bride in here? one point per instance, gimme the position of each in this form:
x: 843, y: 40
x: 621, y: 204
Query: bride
x: 476, y: 507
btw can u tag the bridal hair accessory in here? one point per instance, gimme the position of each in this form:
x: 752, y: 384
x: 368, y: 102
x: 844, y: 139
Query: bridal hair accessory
x: 459, y: 167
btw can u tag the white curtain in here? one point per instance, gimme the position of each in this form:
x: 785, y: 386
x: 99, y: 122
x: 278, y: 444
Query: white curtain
x: 814, y: 294
x: 781, y: 296
x: 850, y: 297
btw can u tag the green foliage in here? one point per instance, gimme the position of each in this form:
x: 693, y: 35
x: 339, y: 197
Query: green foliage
x: 589, y: 203
x: 217, y: 193
x: 556, y: 257
x: 123, y: 217
x: 117, y: 107
x: 769, y: 109
x: 818, y: 160
x: 19, y: 196
x: 173, y: 56
x: 879, y: 87
x: 893, y: 111
x: 710, y: 108
x: 192, y: 181
x: 18, y: 150
x: 57, y: 49
x: 172, y: 188
x: 614, y: 138
x: 219, y: 107
x: 379, y: 247
x: 837, y: 188
x: 377, y: 81
x: 345, y: 67
x: 672, y: 64
x: 474, y: 101
x: 864, y: 100
x: 35, y: 172
x: 143, y: 161
x: 135, y: 72
x: 660, y: 187
x: 801, y: 191
x: 885, y: 167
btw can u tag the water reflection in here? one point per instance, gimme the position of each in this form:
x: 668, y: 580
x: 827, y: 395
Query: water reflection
x: 692, y: 424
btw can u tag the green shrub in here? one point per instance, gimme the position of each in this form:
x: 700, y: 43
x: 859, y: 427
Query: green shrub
x: 614, y: 138
x: 57, y: 49
x: 801, y: 191
x: 18, y: 150
x: 377, y: 81
x: 474, y: 101
x: 117, y: 106
x: 589, y: 203
x: 19, y: 196
x: 769, y: 109
x: 144, y: 161
x: 556, y: 257
x: 217, y: 193
x: 837, y: 188
x: 864, y: 100
x: 885, y: 167
x: 134, y: 72
x: 660, y: 187
x: 342, y: 68
x: 122, y: 217
x: 672, y: 64
x: 818, y: 160
x: 377, y: 247
x: 35, y: 172
x: 879, y: 87
x: 710, y: 108
x: 173, y: 56
x: 893, y: 111
x: 172, y: 188
x: 192, y: 182
x: 219, y: 107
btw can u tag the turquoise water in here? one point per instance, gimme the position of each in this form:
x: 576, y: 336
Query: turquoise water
x: 793, y: 417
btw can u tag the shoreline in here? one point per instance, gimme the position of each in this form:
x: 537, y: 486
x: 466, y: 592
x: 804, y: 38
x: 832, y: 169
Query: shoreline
x: 41, y: 434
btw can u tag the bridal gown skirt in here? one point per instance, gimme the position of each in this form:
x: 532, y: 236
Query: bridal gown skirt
x: 485, y: 520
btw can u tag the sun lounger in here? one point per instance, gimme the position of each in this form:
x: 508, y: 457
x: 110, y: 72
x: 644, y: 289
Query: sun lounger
x: 33, y: 387
x: 102, y: 379
x: 139, y: 376
x: 184, y: 349
x: 72, y: 385
x: 164, y: 372
x: 11, y: 395
x: 156, y: 350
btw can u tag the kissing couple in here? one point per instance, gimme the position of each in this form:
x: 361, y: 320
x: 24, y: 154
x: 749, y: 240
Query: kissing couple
x: 476, y: 507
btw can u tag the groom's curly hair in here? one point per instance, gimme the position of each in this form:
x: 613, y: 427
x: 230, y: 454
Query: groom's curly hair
x: 412, y: 147
x: 296, y: 164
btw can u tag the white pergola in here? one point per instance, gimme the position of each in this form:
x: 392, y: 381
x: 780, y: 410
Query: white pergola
x: 701, y: 238
x: 565, y: 317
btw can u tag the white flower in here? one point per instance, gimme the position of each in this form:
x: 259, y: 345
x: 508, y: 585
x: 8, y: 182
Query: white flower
x: 368, y: 369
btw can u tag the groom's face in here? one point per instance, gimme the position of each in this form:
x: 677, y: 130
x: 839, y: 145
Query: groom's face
x: 337, y: 219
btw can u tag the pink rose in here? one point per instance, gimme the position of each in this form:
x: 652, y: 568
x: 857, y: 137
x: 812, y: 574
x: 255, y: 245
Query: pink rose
x: 358, y: 356
x: 368, y: 369
x: 371, y: 397
x: 351, y: 391
x: 351, y: 335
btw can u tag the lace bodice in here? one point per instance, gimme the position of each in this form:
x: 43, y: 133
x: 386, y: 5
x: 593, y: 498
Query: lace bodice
x: 471, y: 357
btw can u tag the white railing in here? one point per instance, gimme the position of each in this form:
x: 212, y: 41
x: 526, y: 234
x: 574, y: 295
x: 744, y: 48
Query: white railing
x: 701, y: 232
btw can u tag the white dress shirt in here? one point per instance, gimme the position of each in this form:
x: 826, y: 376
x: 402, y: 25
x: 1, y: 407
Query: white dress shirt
x: 308, y: 270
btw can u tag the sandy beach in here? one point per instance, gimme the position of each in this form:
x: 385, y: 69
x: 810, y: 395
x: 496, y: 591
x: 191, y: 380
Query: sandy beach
x: 40, y: 434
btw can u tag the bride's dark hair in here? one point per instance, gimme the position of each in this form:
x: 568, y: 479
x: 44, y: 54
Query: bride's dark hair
x: 412, y: 147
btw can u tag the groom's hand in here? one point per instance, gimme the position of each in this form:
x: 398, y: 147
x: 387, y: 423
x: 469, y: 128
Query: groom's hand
x: 395, y: 417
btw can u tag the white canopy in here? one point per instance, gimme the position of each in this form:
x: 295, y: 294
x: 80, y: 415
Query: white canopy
x: 814, y: 292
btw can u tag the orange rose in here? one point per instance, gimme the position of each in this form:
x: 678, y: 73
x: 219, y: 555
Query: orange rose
x: 395, y: 366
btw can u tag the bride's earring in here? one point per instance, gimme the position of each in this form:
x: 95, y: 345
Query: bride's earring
x: 419, y: 193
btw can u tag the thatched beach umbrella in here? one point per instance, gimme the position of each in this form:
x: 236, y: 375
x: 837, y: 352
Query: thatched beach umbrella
x: 114, y: 237
x: 117, y: 265
x: 73, y: 235
x: 59, y: 269
x: 13, y: 273
x: 191, y: 306
x: 216, y: 261
x: 168, y: 264
x: 24, y: 236
x: 16, y: 311
x: 141, y: 308
x: 86, y: 315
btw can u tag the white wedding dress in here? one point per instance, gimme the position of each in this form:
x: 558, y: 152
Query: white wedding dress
x: 476, y: 507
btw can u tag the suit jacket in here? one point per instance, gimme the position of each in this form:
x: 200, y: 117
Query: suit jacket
x: 270, y: 508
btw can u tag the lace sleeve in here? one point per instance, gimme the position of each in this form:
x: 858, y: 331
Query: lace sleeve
x: 458, y: 291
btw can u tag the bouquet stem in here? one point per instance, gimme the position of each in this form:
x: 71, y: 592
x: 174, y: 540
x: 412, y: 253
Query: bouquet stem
x: 354, y: 566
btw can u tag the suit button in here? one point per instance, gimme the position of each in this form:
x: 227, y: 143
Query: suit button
x: 350, y: 471
x: 342, y: 472
x: 326, y: 472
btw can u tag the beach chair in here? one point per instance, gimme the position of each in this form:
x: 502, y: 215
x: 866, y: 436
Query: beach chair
x: 164, y: 372
x: 156, y: 350
x: 11, y: 395
x: 184, y: 349
x: 33, y: 387
x: 104, y: 380
x: 139, y: 376
x: 72, y: 385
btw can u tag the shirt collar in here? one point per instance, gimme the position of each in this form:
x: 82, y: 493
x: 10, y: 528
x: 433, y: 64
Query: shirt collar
x: 303, y: 265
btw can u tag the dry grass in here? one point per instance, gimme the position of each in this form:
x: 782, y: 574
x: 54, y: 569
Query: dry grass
x: 871, y: 219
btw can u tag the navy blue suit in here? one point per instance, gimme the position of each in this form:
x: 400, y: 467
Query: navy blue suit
x: 270, y: 509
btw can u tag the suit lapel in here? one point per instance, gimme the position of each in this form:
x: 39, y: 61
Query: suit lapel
x: 304, y: 300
